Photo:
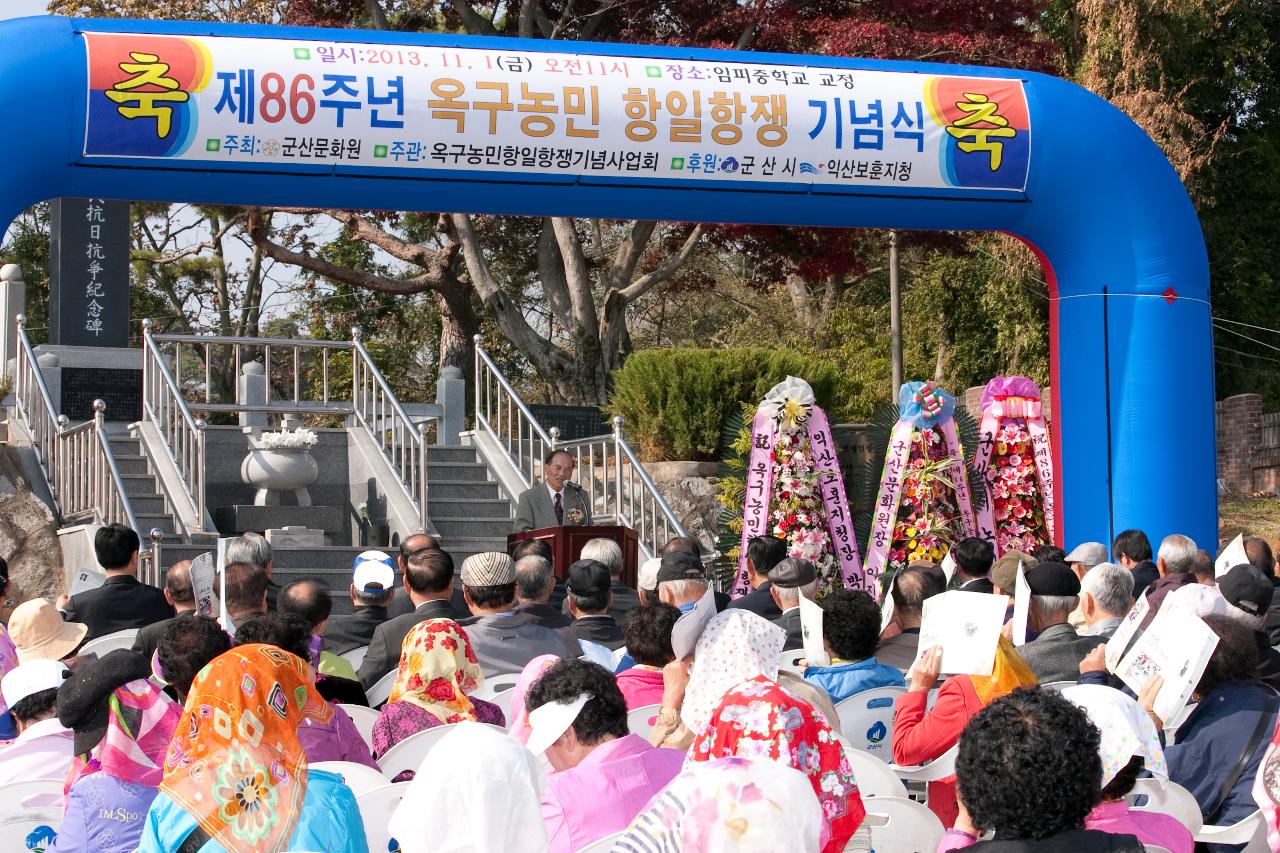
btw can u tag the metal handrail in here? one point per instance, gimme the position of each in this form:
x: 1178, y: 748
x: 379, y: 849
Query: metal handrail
x: 608, y: 469
x: 164, y: 404
x: 35, y: 408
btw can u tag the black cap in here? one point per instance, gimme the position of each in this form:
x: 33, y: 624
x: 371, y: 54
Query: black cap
x: 1053, y: 579
x: 589, y: 577
x: 792, y: 572
x: 679, y: 566
x: 84, y: 698
x: 1246, y: 587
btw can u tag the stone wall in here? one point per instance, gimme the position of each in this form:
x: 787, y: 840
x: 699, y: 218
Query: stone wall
x: 1248, y: 446
x: 28, y: 537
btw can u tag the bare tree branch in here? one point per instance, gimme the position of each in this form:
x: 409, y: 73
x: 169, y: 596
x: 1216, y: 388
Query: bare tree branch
x: 581, y: 299
x: 646, y: 282
x: 629, y: 252
x: 475, y: 23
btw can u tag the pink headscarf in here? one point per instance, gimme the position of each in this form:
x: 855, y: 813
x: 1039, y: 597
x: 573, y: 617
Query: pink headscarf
x: 518, y: 719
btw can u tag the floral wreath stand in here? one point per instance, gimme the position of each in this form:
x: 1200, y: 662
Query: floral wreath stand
x: 924, y: 435
x: 794, y: 489
x: 1016, y: 464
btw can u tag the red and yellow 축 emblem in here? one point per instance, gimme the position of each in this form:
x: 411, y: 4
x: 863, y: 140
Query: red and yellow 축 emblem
x: 142, y: 93
x: 987, y: 131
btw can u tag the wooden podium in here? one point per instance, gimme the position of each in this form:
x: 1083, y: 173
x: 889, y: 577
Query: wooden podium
x: 566, y: 543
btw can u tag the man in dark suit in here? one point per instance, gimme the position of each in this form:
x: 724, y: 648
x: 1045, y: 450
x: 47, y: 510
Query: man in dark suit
x: 589, y: 595
x: 763, y: 553
x: 122, y: 602
x: 1132, y: 549
x: 556, y: 500
x: 178, y: 592
x: 533, y: 589
x: 429, y: 579
x: 608, y: 552
x: 973, y: 558
x: 400, y: 604
x: 1056, y: 652
x: 372, y: 587
x: 791, y: 578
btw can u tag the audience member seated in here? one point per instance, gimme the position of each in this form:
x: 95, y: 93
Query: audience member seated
x: 476, y: 790
x: 1132, y: 549
x: 730, y: 805
x: 1204, y: 568
x: 43, y: 748
x: 681, y: 580
x: 589, y: 596
x: 647, y: 632
x: 1029, y: 770
x: 517, y: 716
x: 540, y: 548
x: 758, y: 719
x: 502, y: 641
x: 410, y: 545
x: 1228, y: 731
x: 1056, y: 652
x: 189, y: 643
x: 910, y: 588
x: 1082, y: 559
x: 180, y: 594
x: 438, y: 669
x: 1258, y: 552
x: 1175, y: 562
x: 534, y: 582
x: 686, y: 545
x: 122, y: 602
x: 223, y: 791
x: 1049, y: 554
x: 373, y: 586
x: 8, y: 657
x: 254, y: 549
x: 608, y: 552
x: 428, y: 578
x: 763, y: 553
x: 790, y: 579
x: 973, y: 558
x: 311, y: 600
x: 1130, y: 745
x: 246, y: 593
x: 920, y: 735
x: 604, y: 774
x: 1106, y: 594
x: 850, y: 628
x: 647, y: 580
x: 123, y: 724
x: 39, y: 632
x: 1249, y: 592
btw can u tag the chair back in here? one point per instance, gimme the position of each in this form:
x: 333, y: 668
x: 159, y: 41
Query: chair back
x: 378, y: 693
x: 940, y: 768
x: 1152, y: 795
x: 791, y: 661
x: 30, y: 814
x: 640, y: 720
x: 355, y: 657
x: 408, y: 753
x: 1250, y: 831
x: 866, y: 719
x: 110, y: 642
x: 1058, y: 685
x: 363, y: 718
x: 900, y: 825
x: 358, y: 777
x: 874, y: 777
x: 494, y: 685
x: 376, y: 807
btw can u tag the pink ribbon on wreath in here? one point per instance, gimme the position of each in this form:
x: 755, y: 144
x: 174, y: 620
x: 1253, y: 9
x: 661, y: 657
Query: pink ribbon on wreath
x: 1014, y: 397
x: 960, y: 476
x: 756, y: 496
x: 885, y: 511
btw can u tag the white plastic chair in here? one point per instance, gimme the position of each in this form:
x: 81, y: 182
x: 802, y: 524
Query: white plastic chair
x: 1058, y: 685
x: 874, y: 777
x: 603, y: 845
x: 30, y: 814
x: 1171, y: 727
x: 357, y: 777
x: 376, y: 807
x: 363, y: 718
x: 640, y: 720
x: 900, y: 825
x: 791, y: 661
x: 355, y: 657
x: 940, y: 768
x: 408, y: 753
x: 1168, y: 798
x: 110, y: 642
x: 1251, y: 832
x: 495, y: 685
x: 866, y: 719
x: 378, y: 693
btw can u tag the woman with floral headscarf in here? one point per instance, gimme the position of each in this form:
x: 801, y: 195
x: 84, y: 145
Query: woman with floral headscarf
x: 920, y: 735
x: 236, y: 778
x: 123, y: 724
x: 437, y: 670
x: 758, y: 719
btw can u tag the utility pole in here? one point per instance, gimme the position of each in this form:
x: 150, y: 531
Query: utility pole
x: 895, y: 317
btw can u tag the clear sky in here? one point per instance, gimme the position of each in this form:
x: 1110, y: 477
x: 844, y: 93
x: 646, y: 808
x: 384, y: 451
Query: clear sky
x: 22, y: 8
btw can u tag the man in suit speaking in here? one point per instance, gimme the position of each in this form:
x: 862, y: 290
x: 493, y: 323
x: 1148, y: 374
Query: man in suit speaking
x: 556, y: 500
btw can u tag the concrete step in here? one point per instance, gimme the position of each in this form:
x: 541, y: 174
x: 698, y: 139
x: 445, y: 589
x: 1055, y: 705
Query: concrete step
x: 131, y: 465
x: 149, y: 520
x: 125, y: 445
x: 451, y: 453
x: 139, y: 487
x: 486, y: 528
x: 472, y: 472
x: 467, y: 507
x: 147, y: 505
x: 456, y: 490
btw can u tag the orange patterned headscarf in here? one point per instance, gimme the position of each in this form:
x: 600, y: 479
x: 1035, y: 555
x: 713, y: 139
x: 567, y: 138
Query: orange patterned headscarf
x: 235, y: 763
x: 437, y: 671
x: 1008, y: 673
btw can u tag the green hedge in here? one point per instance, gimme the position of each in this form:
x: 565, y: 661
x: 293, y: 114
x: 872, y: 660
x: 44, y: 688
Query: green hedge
x: 676, y: 401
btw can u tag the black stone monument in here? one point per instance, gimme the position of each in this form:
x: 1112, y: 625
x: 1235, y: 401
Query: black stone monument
x: 89, y: 273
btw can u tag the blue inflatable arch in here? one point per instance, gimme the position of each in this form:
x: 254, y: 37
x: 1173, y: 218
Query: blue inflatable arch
x: 1133, y: 427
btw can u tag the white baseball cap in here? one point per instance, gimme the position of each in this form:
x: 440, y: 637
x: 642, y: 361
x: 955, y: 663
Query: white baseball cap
x: 30, y: 678
x: 373, y: 568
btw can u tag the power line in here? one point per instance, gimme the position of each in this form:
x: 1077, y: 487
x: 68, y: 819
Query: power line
x: 1246, y: 337
x: 1248, y: 354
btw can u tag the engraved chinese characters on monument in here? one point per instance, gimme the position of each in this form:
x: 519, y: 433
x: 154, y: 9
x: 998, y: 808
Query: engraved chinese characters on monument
x: 89, y: 272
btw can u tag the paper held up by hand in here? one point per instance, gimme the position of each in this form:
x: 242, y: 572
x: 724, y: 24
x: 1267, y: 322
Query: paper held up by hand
x: 1176, y: 646
x: 1021, y: 607
x: 202, y: 581
x: 597, y: 653
x: 1127, y: 632
x: 688, y: 628
x: 815, y: 650
x: 85, y: 580
x: 1231, y: 556
x: 948, y: 567
x: 967, y: 626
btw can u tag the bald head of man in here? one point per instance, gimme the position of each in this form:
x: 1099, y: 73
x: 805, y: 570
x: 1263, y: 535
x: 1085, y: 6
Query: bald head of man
x: 177, y: 587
